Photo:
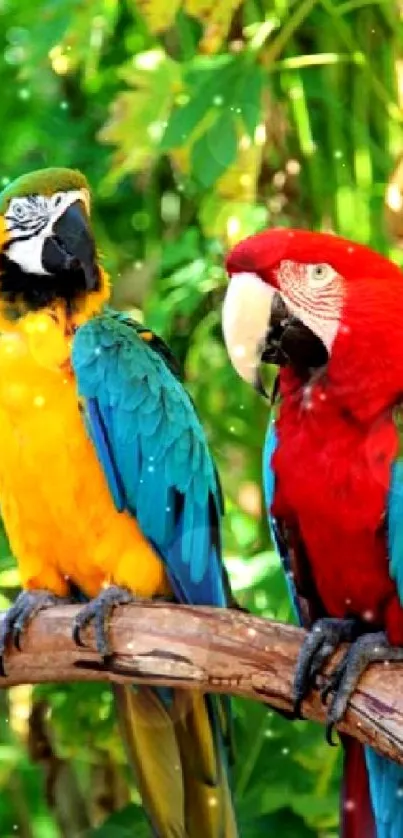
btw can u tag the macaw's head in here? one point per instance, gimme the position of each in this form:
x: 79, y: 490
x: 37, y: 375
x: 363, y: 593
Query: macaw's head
x: 47, y: 248
x: 307, y: 301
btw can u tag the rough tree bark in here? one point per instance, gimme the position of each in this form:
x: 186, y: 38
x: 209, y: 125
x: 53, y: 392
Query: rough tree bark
x: 208, y: 649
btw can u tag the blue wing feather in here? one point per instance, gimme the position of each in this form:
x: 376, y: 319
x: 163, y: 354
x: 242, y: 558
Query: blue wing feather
x: 386, y: 777
x: 95, y: 422
x: 270, y: 446
x: 153, y: 451
x: 157, y: 465
x: 386, y: 788
x: 269, y: 485
x: 395, y: 526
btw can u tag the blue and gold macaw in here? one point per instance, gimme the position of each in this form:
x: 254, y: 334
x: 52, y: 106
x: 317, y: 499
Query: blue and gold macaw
x: 106, y: 483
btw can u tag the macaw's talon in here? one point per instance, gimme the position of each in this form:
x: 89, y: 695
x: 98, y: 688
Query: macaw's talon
x: 27, y: 604
x: 369, y: 648
x: 98, y: 611
x: 329, y: 735
x: 323, y: 639
x: 333, y: 680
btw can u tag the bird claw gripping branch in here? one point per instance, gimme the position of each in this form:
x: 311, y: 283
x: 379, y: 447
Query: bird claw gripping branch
x: 319, y: 645
x: 16, y: 619
x: 372, y: 647
x: 98, y: 611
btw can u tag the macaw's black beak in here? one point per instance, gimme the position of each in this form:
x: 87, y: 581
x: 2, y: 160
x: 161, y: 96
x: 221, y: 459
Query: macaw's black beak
x: 71, y: 247
x: 288, y: 342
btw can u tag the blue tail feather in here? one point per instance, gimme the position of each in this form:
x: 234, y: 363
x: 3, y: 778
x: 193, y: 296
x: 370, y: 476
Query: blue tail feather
x: 386, y: 788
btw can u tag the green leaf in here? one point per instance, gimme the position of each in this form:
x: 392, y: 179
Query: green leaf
x: 249, y: 98
x: 283, y: 823
x: 140, y: 111
x: 214, y: 151
x: 184, y: 119
x: 159, y: 14
x: 128, y: 823
x: 9, y: 578
x: 248, y: 574
x: 212, y: 89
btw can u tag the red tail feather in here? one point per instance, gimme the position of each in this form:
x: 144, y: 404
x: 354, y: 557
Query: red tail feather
x: 356, y: 817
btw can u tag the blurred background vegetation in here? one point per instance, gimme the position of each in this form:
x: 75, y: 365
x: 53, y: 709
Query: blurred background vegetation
x: 197, y: 122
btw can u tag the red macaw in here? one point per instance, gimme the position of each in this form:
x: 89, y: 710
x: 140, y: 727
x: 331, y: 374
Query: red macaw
x: 329, y: 312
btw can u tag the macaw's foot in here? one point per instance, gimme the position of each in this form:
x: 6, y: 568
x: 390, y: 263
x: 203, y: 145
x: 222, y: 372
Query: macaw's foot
x: 98, y: 611
x: 319, y: 645
x: 369, y: 648
x: 27, y: 604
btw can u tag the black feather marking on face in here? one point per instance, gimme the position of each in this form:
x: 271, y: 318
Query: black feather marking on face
x: 36, y: 291
x: 27, y: 217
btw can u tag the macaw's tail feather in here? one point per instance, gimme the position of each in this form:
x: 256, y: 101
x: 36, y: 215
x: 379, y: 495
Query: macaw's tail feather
x: 357, y: 817
x: 372, y: 794
x: 176, y: 749
x: 386, y: 787
x: 152, y: 750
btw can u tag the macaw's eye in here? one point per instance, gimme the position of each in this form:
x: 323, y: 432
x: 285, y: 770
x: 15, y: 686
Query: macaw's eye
x: 55, y: 200
x: 320, y: 275
x: 19, y: 210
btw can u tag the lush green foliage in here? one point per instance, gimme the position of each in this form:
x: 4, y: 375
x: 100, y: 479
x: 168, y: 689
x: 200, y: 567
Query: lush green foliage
x: 197, y: 122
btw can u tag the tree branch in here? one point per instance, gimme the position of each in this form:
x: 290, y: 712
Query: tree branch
x: 209, y: 649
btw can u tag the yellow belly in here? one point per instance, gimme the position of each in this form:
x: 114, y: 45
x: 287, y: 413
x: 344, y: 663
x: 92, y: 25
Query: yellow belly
x: 54, y: 499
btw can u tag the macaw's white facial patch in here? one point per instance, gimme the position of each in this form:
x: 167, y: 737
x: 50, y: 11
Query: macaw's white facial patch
x: 245, y: 322
x: 314, y: 293
x: 29, y: 222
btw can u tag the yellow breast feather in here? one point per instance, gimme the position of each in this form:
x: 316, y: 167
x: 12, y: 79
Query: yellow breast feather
x: 56, y: 505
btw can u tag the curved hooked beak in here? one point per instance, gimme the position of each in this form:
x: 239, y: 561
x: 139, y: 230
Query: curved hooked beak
x: 258, y: 325
x: 71, y: 246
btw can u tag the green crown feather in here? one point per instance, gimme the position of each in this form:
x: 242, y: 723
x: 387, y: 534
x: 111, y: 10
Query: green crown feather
x: 43, y: 182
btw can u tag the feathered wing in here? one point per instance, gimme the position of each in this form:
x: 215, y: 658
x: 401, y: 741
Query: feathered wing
x: 357, y: 821
x: 289, y: 545
x: 158, y: 467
